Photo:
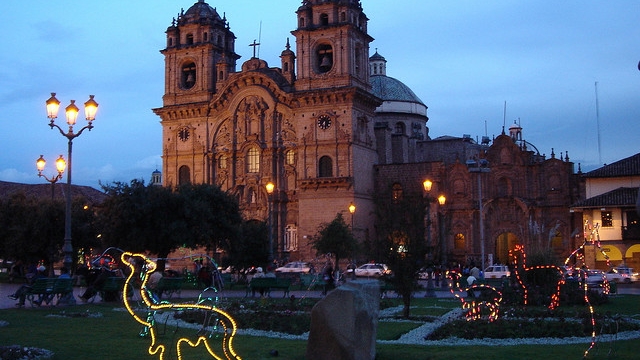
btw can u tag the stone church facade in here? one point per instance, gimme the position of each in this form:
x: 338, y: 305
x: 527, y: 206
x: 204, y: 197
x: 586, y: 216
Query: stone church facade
x: 324, y: 127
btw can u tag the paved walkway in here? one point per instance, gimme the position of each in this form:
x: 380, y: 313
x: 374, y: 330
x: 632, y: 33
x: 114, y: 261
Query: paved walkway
x: 7, y: 289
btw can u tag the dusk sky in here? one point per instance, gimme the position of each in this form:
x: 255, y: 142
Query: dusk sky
x: 464, y: 59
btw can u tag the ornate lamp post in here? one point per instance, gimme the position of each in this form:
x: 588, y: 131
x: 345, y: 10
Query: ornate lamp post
x: 270, y: 187
x: 441, y: 238
x: 427, y: 184
x: 71, y: 112
x: 479, y: 167
x: 60, y: 166
x: 352, y: 210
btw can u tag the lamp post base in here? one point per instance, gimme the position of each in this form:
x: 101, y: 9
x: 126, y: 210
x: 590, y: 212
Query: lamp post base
x: 431, y: 290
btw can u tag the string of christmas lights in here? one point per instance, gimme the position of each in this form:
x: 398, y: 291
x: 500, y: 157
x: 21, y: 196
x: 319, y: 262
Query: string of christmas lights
x: 228, y: 324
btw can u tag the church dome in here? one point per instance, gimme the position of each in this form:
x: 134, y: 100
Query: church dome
x: 390, y: 89
x: 199, y: 10
x: 396, y: 96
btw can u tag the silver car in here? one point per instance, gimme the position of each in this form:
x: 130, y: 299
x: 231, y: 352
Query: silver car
x: 295, y: 267
x: 372, y: 270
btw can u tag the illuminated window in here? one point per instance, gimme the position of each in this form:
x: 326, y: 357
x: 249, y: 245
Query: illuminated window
x: 291, y: 157
x: 459, y: 242
x: 607, y: 218
x: 325, y: 167
x: 396, y: 192
x: 253, y: 160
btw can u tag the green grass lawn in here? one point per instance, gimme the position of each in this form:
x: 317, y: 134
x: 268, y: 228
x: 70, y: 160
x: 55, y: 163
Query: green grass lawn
x: 115, y: 335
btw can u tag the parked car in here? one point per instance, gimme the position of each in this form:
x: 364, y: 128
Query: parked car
x: 295, y: 267
x: 372, y: 270
x: 497, y: 272
x: 595, y: 277
x: 622, y: 275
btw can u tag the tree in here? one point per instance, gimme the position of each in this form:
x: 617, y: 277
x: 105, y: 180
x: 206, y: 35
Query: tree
x: 252, y: 248
x: 336, y: 238
x: 159, y: 219
x: 32, y: 229
x: 400, y: 241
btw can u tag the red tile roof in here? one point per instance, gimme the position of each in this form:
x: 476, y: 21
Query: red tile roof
x: 620, y: 197
x: 625, y: 167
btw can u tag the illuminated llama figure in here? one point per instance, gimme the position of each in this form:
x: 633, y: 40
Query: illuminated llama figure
x: 157, y: 348
x: 520, y: 265
x: 489, y: 301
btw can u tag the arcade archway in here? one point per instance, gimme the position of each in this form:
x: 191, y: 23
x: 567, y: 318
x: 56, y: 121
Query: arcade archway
x: 504, y: 242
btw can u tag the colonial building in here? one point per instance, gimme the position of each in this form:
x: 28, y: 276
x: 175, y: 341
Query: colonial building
x: 496, y: 194
x: 610, y: 204
x: 329, y: 129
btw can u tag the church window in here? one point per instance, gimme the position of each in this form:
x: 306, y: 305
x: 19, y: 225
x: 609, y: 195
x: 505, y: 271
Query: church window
x: 343, y: 16
x: 396, y: 192
x: 291, y: 157
x: 184, y: 175
x: 324, y: 19
x: 399, y: 128
x: 253, y: 160
x: 188, y: 78
x: 325, y: 167
x: 285, y: 67
x: 458, y: 241
x: 607, y: 218
x: 169, y: 42
x: 219, y: 42
x: 206, y: 36
x: 189, y: 39
x: 222, y: 162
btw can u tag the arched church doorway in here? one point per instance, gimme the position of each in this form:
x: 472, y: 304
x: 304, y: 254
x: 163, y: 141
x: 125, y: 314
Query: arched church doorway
x: 504, y: 242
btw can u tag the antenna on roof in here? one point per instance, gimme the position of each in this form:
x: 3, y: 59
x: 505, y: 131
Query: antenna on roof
x: 598, y: 124
x: 259, y: 37
x: 504, y: 115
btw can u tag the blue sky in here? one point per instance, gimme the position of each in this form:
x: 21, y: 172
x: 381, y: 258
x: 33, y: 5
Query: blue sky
x: 464, y: 59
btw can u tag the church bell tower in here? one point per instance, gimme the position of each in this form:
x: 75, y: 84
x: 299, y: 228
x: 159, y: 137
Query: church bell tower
x: 332, y: 45
x: 200, y: 54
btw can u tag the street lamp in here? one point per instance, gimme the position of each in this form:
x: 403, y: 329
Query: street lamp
x: 480, y: 166
x: 427, y: 184
x: 352, y: 210
x: 71, y: 112
x: 441, y: 238
x: 60, y: 166
x: 270, y: 187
